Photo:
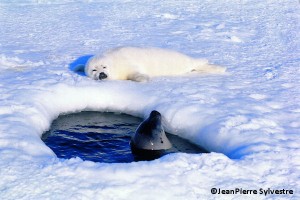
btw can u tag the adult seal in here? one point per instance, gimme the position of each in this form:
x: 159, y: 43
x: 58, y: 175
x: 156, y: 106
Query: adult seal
x: 150, y: 138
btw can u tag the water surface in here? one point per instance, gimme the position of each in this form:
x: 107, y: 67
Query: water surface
x: 101, y: 137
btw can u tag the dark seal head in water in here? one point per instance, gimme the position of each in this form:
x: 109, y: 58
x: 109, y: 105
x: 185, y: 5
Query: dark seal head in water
x: 150, y: 137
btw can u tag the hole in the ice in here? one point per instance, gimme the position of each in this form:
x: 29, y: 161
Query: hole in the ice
x: 102, y: 137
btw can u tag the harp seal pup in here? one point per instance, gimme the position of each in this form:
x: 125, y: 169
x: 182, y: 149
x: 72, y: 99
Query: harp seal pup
x: 140, y: 64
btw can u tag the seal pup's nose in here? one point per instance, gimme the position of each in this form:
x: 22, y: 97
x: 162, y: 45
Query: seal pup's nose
x: 102, y: 75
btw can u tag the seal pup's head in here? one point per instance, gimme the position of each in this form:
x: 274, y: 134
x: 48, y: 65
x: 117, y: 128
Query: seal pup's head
x: 150, y: 134
x: 97, y: 68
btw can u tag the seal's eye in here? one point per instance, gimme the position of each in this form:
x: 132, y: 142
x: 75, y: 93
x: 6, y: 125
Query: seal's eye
x: 94, y: 70
x: 104, y: 67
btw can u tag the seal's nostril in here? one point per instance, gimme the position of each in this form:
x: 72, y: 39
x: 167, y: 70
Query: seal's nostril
x: 102, y: 75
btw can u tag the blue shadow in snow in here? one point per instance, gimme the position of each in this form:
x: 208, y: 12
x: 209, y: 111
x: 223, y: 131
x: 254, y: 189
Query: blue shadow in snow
x: 77, y: 65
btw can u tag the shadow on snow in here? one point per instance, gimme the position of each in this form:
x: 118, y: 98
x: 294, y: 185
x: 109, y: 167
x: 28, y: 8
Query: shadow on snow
x: 77, y: 66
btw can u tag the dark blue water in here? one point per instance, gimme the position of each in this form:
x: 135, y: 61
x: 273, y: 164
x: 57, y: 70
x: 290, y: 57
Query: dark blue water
x: 101, y: 137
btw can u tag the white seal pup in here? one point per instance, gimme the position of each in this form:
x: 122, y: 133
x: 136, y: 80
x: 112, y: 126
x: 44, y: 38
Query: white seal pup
x: 140, y: 64
x: 150, y: 135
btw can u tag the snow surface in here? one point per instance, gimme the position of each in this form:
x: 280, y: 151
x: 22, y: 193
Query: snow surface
x: 249, y: 118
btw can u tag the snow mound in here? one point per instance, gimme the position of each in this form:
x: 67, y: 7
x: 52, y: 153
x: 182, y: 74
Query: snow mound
x: 17, y: 64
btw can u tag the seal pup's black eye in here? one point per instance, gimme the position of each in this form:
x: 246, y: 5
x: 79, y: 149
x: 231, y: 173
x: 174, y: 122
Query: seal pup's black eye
x: 94, y: 70
x: 104, y: 67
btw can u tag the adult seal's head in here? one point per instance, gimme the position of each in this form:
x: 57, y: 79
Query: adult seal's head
x: 150, y: 135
